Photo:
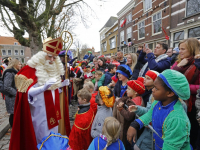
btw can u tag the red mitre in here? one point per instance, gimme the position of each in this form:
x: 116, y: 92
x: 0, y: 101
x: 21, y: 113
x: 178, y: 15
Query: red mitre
x: 53, y: 46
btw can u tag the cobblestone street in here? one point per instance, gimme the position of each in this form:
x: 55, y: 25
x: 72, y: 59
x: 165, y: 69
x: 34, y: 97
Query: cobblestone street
x: 5, y: 140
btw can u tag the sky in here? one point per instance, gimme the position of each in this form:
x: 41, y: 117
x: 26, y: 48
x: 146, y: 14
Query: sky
x: 103, y: 9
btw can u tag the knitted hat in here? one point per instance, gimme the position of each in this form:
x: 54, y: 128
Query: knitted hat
x: 137, y: 86
x: 176, y: 49
x: 104, y: 92
x: 114, y: 78
x: 152, y: 74
x: 141, y: 79
x: 177, y: 82
x: 90, y: 52
x: 124, y: 70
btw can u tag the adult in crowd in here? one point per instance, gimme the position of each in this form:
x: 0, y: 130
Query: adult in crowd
x: 114, y: 61
x: 157, y: 61
x: 90, y: 56
x: 5, y: 62
x: 9, y: 85
x: 173, y: 54
x: 185, y: 64
x: 121, y: 58
x: 102, y: 64
x: 133, y: 64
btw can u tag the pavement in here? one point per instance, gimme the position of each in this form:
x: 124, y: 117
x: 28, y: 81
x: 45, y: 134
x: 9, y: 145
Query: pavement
x: 5, y: 130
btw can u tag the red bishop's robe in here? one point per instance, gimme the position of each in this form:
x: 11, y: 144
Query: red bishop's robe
x: 80, y: 136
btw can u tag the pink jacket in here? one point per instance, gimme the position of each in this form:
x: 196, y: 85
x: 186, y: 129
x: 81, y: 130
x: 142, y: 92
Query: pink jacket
x: 193, y: 87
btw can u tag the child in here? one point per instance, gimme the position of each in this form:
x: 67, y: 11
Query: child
x: 109, y: 139
x: 134, y: 90
x: 113, y: 82
x: 105, y: 100
x: 167, y: 115
x: 80, y: 137
x: 150, y: 77
x: 98, y: 75
x: 106, y: 78
x: 87, y: 72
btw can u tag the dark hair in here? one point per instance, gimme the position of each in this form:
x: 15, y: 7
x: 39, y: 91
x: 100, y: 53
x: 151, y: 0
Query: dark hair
x: 165, y: 86
x: 120, y: 51
x: 140, y: 46
x: 104, y: 62
x: 164, y: 46
x: 111, y: 66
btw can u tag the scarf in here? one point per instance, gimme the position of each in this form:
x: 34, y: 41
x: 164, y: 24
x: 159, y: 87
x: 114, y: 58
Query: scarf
x: 159, y: 58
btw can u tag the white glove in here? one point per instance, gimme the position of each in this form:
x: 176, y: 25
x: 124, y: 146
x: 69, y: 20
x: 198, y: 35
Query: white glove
x: 35, y: 91
x: 65, y: 83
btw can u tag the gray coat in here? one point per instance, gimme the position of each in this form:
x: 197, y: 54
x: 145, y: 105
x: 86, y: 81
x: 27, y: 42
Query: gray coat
x: 9, y: 86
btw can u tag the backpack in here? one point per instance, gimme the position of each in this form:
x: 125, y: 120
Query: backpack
x: 2, y: 90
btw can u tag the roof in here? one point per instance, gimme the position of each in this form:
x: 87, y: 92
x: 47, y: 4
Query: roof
x: 110, y: 22
x: 4, y: 40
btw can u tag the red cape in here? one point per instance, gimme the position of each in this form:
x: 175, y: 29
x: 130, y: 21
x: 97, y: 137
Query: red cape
x: 23, y: 135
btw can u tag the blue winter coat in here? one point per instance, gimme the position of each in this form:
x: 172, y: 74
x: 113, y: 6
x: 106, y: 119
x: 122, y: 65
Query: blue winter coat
x: 152, y: 64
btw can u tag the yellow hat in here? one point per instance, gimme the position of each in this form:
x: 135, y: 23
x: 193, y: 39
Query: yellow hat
x: 105, y: 92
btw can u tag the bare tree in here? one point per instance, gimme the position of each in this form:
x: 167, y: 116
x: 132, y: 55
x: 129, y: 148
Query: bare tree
x: 39, y: 18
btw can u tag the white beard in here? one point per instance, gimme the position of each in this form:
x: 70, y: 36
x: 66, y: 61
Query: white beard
x: 46, y: 71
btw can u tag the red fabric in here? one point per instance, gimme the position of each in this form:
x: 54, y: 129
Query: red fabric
x: 52, y: 111
x: 141, y: 79
x: 93, y: 104
x: 152, y: 74
x: 137, y: 100
x: 80, y: 136
x: 136, y: 86
x: 67, y: 122
x: 23, y: 135
x: 123, y: 23
x: 116, y: 63
x: 114, y: 78
x: 53, y: 43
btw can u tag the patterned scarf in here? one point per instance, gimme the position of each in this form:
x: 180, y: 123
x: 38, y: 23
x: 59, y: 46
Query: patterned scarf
x: 159, y: 58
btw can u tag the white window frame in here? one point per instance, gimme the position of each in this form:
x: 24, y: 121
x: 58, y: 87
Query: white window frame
x: 115, y: 29
x: 128, y: 20
x: 129, y: 32
x: 121, y: 37
x: 139, y: 30
x: 10, y: 52
x: 155, y: 21
x: 145, y: 6
x: 21, y: 53
x: 114, y: 45
x: 2, y: 52
x: 104, y: 46
x: 18, y: 52
x: 121, y: 21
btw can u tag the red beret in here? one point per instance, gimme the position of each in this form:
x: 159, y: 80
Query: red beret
x: 137, y: 86
x: 141, y: 79
x: 115, y: 79
x: 152, y: 74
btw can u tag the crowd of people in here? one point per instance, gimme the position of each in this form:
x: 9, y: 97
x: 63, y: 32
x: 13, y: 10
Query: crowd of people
x: 139, y: 101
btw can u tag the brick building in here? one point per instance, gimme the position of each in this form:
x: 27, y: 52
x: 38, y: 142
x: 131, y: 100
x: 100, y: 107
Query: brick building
x: 151, y: 19
x: 125, y: 23
x: 10, y: 47
x: 185, y: 20
x: 109, y: 43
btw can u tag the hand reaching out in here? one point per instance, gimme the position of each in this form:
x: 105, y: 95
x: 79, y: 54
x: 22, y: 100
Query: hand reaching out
x: 49, y: 83
x: 132, y: 108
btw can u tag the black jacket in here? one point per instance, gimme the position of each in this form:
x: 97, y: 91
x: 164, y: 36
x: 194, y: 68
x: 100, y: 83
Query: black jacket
x: 146, y: 96
x: 117, y: 89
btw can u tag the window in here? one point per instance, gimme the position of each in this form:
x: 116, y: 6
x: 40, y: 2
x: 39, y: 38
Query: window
x: 22, y: 52
x: 15, y: 43
x: 9, y: 52
x: 150, y: 46
x: 194, y: 32
x: 22, y: 59
x: 129, y: 18
x: 115, y: 29
x: 129, y: 33
x: 112, y: 43
x: 16, y: 52
x: 121, y: 37
x: 141, y: 29
x: 179, y: 36
x: 147, y: 4
x: 157, y: 23
x: 193, y: 7
x: 3, y: 52
x: 104, y: 46
x: 121, y: 21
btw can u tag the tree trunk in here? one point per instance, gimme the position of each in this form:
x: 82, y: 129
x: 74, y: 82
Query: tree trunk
x: 35, y: 43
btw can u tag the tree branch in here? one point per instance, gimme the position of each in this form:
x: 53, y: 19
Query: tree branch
x: 72, y: 3
x: 4, y: 21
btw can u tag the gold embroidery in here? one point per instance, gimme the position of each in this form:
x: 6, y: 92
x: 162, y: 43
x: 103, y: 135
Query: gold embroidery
x: 57, y: 114
x: 88, y: 126
x: 22, y: 83
x: 52, y: 121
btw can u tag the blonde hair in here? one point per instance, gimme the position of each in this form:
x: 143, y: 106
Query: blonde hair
x: 99, y: 73
x: 192, y: 45
x: 134, y: 60
x: 89, y: 85
x: 111, y: 129
x: 84, y: 94
x: 13, y: 63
